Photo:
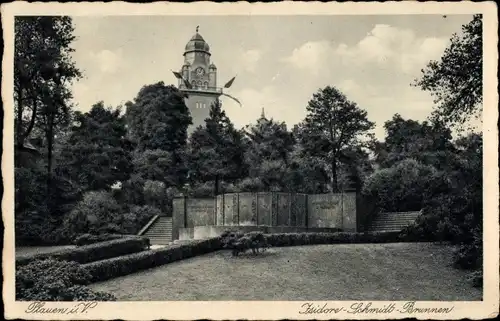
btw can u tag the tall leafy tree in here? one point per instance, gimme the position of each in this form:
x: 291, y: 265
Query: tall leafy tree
x: 43, y: 73
x: 332, y: 125
x: 267, y: 153
x: 158, y: 118
x: 157, y: 121
x: 306, y: 173
x: 456, y: 81
x: 216, y: 150
x: 428, y: 142
x: 355, y: 167
x: 97, y: 153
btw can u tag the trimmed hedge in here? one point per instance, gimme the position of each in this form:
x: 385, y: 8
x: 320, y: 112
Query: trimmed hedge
x: 52, y: 280
x: 119, y: 266
x: 93, y: 252
x: 86, y: 239
x: 294, y: 239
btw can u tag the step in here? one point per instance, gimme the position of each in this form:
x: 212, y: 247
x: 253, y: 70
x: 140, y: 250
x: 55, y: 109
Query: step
x: 397, y: 216
x: 378, y: 219
x: 158, y: 234
x: 393, y: 221
x: 389, y: 225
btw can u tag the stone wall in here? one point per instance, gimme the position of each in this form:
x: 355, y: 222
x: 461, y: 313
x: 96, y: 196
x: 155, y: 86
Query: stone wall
x: 272, y: 209
x: 200, y: 212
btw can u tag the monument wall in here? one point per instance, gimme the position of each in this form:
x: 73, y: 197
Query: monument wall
x: 325, y: 210
x: 271, y: 209
x: 200, y: 212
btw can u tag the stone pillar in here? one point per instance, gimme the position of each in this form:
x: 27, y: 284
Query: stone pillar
x: 178, y: 215
x: 349, y: 211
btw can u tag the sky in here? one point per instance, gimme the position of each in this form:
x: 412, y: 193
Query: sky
x: 279, y: 61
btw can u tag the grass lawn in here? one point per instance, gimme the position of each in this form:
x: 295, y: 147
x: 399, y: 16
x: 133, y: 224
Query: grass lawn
x: 30, y: 250
x: 402, y: 271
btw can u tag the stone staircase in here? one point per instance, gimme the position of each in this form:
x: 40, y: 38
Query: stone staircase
x: 158, y: 230
x: 392, y: 222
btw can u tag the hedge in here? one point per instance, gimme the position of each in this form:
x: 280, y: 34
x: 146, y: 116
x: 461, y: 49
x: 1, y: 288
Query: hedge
x: 86, y: 239
x: 123, y: 265
x: 293, y: 239
x: 93, y: 252
x: 52, y: 280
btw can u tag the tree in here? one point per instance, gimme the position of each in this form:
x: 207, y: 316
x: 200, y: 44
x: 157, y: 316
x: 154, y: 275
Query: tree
x: 333, y: 124
x: 355, y: 167
x: 160, y: 165
x: 43, y: 73
x: 157, y: 123
x: 267, y: 153
x: 97, y: 153
x: 216, y: 151
x: 427, y: 142
x: 158, y: 118
x: 306, y: 173
x: 456, y: 81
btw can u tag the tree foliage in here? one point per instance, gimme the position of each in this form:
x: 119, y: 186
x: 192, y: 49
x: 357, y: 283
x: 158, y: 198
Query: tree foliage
x: 456, y: 81
x: 267, y: 154
x: 216, y: 151
x: 43, y: 68
x: 401, y: 187
x: 429, y: 143
x: 158, y: 118
x: 333, y: 124
x: 97, y: 153
x: 43, y: 73
x: 157, y: 123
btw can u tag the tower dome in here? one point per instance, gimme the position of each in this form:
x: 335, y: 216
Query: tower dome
x: 197, y: 43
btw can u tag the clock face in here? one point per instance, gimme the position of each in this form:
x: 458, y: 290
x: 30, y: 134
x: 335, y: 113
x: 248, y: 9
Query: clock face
x: 200, y: 71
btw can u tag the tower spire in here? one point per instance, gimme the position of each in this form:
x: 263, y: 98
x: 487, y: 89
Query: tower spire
x: 263, y: 114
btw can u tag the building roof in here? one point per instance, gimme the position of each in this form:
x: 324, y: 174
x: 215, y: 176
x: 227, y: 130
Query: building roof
x: 197, y: 43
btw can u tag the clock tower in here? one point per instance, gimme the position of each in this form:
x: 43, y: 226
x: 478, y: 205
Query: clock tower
x: 202, y: 78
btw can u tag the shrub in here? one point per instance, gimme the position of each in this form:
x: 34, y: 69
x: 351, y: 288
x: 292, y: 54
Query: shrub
x: 94, y: 214
x: 401, y: 187
x: 123, y: 265
x: 92, y: 252
x: 86, y: 239
x: 470, y: 255
x: 52, y: 280
x: 138, y: 217
x: 239, y: 242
